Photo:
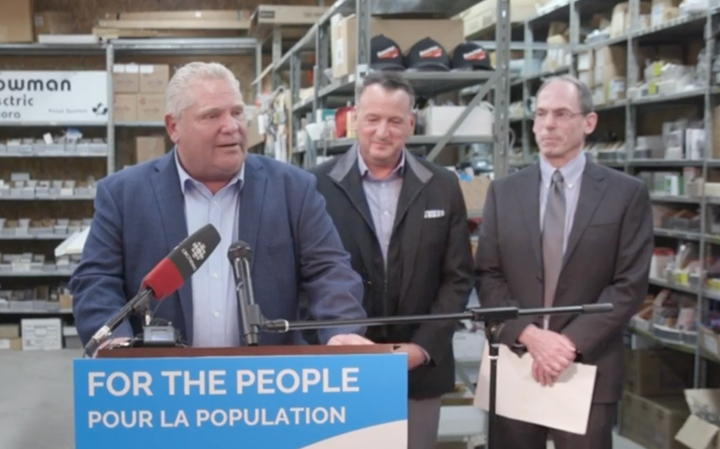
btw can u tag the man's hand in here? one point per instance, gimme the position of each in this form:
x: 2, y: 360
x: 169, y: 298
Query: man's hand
x: 552, y: 351
x: 416, y: 356
x: 349, y: 340
x: 541, y: 376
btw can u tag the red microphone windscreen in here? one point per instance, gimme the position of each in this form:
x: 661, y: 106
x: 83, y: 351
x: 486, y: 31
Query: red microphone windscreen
x: 164, y: 279
x: 182, y: 262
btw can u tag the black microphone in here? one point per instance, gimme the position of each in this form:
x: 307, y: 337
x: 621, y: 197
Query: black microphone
x: 240, y: 255
x: 167, y: 276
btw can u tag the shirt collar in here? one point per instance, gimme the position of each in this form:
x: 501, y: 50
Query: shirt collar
x: 365, y: 171
x: 186, y: 179
x: 572, y: 171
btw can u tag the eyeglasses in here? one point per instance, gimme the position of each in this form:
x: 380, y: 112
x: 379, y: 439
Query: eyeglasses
x: 560, y: 115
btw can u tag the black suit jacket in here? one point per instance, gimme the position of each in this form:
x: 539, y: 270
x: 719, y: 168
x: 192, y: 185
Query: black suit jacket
x: 607, y: 260
x: 433, y: 269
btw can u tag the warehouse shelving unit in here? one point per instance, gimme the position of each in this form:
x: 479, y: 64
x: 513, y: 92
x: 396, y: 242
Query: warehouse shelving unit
x: 339, y: 92
x: 111, y: 154
x: 632, y: 107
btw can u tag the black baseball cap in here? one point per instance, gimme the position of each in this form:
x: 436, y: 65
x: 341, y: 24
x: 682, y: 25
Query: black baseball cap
x: 385, y: 54
x: 470, y: 56
x: 428, y: 54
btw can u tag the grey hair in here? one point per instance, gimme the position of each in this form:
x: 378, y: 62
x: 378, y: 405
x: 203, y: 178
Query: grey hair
x: 177, y: 97
x: 390, y: 81
x: 584, y: 93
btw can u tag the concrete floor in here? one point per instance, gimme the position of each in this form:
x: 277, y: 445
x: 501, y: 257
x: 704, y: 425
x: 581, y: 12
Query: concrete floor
x: 36, y: 401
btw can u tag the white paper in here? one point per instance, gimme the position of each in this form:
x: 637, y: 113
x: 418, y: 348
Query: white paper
x: 564, y: 406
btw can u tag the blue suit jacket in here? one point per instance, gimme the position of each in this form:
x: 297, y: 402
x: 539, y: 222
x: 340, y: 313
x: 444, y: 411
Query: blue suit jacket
x: 139, y: 218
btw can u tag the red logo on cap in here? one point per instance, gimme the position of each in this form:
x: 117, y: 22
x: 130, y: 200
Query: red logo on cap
x: 475, y: 55
x: 389, y: 53
x: 432, y: 52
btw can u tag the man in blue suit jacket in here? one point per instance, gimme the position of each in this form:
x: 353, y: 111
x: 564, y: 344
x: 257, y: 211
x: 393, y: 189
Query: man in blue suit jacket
x: 143, y: 212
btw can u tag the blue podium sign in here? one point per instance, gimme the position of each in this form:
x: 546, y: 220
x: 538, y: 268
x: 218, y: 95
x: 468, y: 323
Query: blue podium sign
x: 248, y: 402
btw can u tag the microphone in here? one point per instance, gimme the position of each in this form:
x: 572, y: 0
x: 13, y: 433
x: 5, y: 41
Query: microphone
x: 163, y: 280
x: 240, y: 255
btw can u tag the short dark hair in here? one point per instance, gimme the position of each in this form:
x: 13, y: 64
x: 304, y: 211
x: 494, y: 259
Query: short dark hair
x: 585, y: 95
x: 390, y: 81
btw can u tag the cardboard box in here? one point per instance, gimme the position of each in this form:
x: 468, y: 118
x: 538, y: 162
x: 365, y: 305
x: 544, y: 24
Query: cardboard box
x: 154, y: 78
x: 438, y: 119
x: 585, y: 60
x: 659, y: 421
x: 287, y: 14
x: 664, y: 10
x: 616, y: 89
x: 150, y: 107
x: 701, y: 430
x: 16, y: 21
x: 405, y: 33
x: 620, y: 22
x: 658, y: 371
x: 198, y: 15
x: 483, y: 15
x: 125, y: 107
x: 149, y: 147
x: 14, y: 344
x: 54, y: 22
x: 474, y: 193
x: 9, y: 331
x: 587, y: 77
x: 126, y: 78
x: 611, y: 55
x: 41, y: 334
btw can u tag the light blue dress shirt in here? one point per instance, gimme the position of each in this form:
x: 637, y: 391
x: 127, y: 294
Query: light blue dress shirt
x: 572, y: 179
x: 215, y: 311
x: 382, y: 197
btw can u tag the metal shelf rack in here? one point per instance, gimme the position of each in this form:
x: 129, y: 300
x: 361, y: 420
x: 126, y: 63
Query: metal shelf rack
x: 150, y: 46
x: 340, y: 92
x: 697, y: 27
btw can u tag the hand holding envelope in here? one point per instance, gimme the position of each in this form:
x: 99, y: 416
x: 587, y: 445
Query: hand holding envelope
x: 564, y: 406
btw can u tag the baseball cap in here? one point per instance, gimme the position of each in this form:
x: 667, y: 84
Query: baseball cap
x: 385, y: 54
x: 470, y: 56
x: 428, y: 54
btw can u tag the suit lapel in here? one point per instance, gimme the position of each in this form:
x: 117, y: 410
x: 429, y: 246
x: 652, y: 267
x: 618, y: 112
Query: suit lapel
x: 592, y: 190
x: 346, y: 175
x: 166, y: 184
x: 251, y: 203
x: 411, y: 207
x: 528, y: 193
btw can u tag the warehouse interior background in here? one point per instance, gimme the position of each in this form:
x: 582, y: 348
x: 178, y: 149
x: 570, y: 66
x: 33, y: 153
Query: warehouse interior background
x: 653, y: 67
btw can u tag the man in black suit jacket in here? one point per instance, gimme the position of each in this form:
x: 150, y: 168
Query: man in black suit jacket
x: 404, y: 222
x: 566, y: 232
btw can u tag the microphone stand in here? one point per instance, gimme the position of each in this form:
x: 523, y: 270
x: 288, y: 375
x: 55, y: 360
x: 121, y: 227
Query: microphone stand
x: 250, y: 312
x: 492, y: 317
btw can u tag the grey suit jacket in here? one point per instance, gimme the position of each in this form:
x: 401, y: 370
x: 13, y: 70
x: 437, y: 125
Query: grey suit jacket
x: 607, y: 260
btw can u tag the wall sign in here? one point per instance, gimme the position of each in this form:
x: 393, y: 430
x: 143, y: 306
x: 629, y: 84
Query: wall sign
x: 53, y: 97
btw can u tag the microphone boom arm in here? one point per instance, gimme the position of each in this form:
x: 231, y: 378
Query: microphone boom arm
x: 476, y: 314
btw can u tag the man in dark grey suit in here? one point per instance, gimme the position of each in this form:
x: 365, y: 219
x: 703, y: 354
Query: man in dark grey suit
x: 562, y: 232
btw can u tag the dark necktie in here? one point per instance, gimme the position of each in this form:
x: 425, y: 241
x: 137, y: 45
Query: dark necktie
x: 552, y: 237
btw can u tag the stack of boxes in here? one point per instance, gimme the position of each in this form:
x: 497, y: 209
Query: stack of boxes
x: 604, y: 71
x: 139, y: 96
x: 653, y: 408
x: 139, y: 92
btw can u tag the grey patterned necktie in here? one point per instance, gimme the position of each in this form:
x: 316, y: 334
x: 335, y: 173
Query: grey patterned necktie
x: 552, y: 237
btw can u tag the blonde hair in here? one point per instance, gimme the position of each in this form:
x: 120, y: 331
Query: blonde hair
x: 177, y: 97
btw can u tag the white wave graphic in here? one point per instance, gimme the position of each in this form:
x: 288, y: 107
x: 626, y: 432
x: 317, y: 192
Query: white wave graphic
x: 391, y: 435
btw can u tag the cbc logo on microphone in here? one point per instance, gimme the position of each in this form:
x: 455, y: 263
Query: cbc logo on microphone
x: 198, y: 251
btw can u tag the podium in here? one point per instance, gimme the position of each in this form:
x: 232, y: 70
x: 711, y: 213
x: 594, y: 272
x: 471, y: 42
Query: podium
x: 279, y: 397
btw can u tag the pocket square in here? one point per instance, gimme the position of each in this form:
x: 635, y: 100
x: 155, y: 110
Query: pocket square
x: 436, y: 213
